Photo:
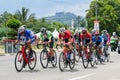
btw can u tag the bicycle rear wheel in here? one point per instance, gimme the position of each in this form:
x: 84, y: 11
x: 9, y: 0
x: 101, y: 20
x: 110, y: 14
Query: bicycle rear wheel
x: 72, y: 60
x: 85, y: 60
x: 19, y: 61
x: 54, y: 59
x: 32, y: 61
x: 44, y: 59
x: 62, y: 62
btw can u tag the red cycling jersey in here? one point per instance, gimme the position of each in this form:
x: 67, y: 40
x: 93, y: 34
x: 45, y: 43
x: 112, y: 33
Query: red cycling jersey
x: 67, y: 35
x: 87, y: 36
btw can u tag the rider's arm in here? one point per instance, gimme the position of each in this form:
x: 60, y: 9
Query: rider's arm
x: 19, y: 36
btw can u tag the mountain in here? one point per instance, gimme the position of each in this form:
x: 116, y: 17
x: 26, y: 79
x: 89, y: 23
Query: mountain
x: 65, y: 18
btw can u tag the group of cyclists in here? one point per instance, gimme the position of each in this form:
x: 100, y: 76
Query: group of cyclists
x: 79, y: 40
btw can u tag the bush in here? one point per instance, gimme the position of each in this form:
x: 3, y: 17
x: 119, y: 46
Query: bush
x: 13, y: 23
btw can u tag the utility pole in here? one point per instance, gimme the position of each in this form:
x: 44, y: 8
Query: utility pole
x: 96, y: 6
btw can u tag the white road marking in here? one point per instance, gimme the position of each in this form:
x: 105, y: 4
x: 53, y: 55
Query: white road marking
x: 81, y: 77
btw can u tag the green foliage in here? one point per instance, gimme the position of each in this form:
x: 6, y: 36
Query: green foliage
x: 13, y: 23
x: 108, y: 15
x: 3, y: 31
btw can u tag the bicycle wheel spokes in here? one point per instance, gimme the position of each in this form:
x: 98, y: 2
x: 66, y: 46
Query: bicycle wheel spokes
x: 44, y: 59
x: 62, y: 62
x: 92, y: 59
x: 19, y: 61
x: 54, y: 59
x: 85, y: 60
x: 32, y: 61
x: 72, y: 60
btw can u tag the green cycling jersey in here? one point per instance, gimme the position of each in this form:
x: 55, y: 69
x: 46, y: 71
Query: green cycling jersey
x: 49, y: 35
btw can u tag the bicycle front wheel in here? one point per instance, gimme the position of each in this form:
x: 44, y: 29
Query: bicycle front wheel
x: 44, y: 59
x: 72, y: 60
x: 93, y: 59
x: 32, y: 61
x: 62, y: 62
x: 54, y: 59
x: 19, y: 61
x: 85, y: 60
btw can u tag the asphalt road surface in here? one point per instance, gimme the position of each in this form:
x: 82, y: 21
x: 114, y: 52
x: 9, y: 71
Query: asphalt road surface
x: 107, y: 71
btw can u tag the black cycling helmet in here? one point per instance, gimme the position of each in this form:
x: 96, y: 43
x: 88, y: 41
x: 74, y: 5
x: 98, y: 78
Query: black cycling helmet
x: 43, y: 30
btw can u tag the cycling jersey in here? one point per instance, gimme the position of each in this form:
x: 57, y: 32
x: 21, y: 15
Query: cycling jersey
x: 28, y: 35
x: 105, y: 39
x: 77, y: 37
x: 96, y: 40
x: 87, y: 36
x: 67, y: 35
x: 49, y: 36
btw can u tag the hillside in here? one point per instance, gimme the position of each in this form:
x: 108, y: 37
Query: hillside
x: 65, y: 18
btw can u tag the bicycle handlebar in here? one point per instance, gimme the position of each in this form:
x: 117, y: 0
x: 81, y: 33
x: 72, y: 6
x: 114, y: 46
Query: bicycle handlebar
x: 21, y: 44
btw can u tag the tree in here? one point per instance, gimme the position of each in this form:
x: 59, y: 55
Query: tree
x: 107, y: 14
x: 4, y: 17
x: 24, y: 17
x: 13, y: 24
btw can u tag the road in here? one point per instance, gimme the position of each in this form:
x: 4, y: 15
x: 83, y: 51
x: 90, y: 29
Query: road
x: 107, y: 71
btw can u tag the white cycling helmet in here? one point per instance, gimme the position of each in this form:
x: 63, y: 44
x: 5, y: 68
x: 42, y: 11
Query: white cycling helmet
x: 61, y: 30
x: 114, y: 33
x: 21, y: 29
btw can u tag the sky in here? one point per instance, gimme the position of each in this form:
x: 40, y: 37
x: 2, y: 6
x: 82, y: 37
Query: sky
x: 44, y: 8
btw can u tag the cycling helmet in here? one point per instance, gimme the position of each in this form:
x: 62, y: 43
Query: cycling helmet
x: 104, y: 31
x: 21, y: 29
x: 114, y: 33
x: 43, y: 30
x: 84, y: 31
x: 61, y: 30
x: 77, y: 31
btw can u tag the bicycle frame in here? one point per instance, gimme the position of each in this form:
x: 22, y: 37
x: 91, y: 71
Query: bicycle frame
x: 24, y: 54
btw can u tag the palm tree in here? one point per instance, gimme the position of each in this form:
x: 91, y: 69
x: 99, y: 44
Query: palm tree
x: 23, y: 15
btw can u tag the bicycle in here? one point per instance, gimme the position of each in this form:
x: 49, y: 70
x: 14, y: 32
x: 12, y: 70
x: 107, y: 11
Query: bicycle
x: 78, y: 51
x: 97, y: 55
x: 23, y: 58
x: 65, y: 58
x: 45, y: 57
x: 88, y: 57
x: 106, y: 55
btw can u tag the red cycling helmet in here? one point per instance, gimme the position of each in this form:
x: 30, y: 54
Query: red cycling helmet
x: 84, y: 31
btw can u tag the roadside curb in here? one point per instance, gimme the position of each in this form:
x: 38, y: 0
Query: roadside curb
x: 2, y: 54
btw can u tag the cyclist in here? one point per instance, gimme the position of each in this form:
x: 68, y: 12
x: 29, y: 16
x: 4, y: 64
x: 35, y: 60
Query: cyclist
x: 29, y: 38
x: 86, y: 39
x: 113, y: 41
x: 77, y: 39
x: 65, y: 37
x: 97, y: 42
x: 105, y: 38
x: 46, y: 37
x: 93, y: 32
